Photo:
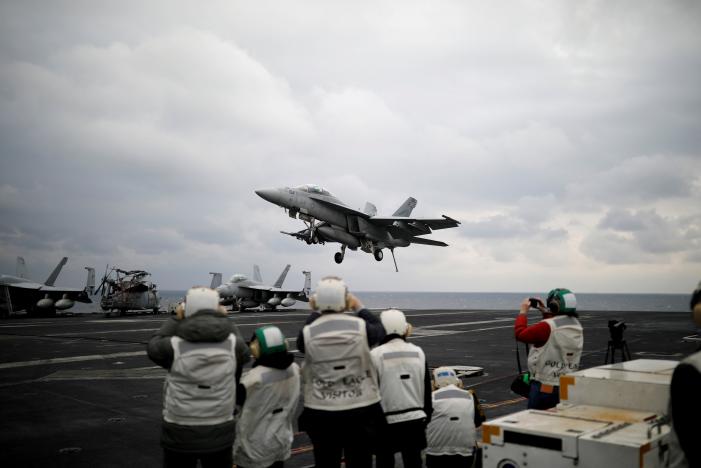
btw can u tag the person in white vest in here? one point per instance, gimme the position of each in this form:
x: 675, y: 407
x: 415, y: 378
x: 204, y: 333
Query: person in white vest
x: 342, y: 412
x: 451, y: 434
x: 204, y: 355
x: 684, y: 398
x: 557, y: 342
x: 269, y: 393
x: 405, y: 388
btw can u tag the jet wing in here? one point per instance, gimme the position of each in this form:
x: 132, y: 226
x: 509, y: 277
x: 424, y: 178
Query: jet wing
x: 267, y: 291
x: 337, y: 206
x: 434, y: 223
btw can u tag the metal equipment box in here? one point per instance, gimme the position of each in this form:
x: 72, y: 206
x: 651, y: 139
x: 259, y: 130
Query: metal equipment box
x: 613, y: 416
x: 642, y: 384
x: 582, y: 436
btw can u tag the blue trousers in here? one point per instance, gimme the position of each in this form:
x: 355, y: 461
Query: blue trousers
x: 538, y: 399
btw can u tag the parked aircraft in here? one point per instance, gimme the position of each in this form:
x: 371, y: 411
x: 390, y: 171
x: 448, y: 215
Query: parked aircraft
x: 328, y: 219
x: 244, y: 293
x: 128, y: 290
x: 19, y: 293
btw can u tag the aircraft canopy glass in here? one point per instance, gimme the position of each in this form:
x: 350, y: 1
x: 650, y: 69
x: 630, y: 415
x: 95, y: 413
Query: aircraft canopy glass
x: 238, y: 278
x: 312, y: 188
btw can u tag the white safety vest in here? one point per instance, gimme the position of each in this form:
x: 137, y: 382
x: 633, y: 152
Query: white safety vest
x: 677, y: 457
x: 264, y: 430
x: 401, y: 369
x: 452, y: 427
x: 200, y: 389
x: 338, y: 373
x: 560, y: 354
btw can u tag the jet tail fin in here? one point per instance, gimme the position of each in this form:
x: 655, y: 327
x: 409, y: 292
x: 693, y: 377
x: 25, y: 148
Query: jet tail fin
x: 406, y: 208
x: 256, y: 274
x: 307, y: 283
x: 216, y: 280
x: 90, y: 281
x: 281, y: 279
x: 54, y: 274
x: 21, y: 268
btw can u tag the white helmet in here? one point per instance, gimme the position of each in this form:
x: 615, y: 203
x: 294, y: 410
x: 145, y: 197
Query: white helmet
x: 443, y: 376
x: 200, y: 298
x: 330, y: 294
x: 394, y: 322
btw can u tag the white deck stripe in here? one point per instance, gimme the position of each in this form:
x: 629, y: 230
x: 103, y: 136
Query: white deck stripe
x: 91, y: 357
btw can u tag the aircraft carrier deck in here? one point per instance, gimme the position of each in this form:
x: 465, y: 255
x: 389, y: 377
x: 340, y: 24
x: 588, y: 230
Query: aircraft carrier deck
x: 79, y: 391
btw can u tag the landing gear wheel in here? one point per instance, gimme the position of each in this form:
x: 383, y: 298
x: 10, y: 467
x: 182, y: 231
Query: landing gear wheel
x: 378, y: 255
x: 338, y: 257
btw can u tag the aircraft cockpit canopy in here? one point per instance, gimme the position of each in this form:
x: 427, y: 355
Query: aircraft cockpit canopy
x: 312, y: 188
x: 238, y: 278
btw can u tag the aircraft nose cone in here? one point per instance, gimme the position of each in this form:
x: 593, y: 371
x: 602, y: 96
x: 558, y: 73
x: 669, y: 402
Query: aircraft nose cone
x: 271, y: 195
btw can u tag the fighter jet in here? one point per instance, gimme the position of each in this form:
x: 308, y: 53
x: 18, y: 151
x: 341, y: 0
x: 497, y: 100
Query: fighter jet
x: 18, y: 293
x: 244, y: 293
x: 328, y: 219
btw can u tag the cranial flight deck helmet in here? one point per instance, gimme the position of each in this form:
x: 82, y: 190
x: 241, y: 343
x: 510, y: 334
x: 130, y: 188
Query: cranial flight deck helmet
x: 443, y: 376
x: 200, y: 298
x: 561, y: 301
x: 394, y: 322
x: 331, y: 294
x: 266, y: 341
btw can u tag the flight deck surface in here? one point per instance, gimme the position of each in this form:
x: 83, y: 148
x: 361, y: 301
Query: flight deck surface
x: 80, y: 390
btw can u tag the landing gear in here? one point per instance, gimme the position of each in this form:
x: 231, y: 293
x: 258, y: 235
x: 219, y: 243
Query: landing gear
x: 378, y: 255
x: 339, y: 255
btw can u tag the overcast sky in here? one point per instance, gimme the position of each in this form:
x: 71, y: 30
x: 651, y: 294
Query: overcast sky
x: 565, y: 136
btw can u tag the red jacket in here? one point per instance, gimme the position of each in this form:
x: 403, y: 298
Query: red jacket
x: 537, y: 334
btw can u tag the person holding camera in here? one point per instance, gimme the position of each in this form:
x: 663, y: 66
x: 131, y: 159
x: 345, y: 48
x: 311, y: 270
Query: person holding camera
x: 342, y: 413
x: 204, y: 354
x: 269, y: 394
x: 685, y: 409
x: 405, y: 388
x: 557, y: 342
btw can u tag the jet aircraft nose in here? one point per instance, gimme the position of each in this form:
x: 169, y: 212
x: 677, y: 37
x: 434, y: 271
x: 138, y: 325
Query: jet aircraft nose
x: 272, y: 195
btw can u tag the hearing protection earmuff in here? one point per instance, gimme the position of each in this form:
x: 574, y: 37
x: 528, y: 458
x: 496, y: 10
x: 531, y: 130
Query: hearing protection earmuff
x: 409, y: 329
x: 180, y: 311
x: 254, y: 346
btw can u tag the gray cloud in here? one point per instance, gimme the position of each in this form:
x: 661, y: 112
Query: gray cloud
x: 135, y: 134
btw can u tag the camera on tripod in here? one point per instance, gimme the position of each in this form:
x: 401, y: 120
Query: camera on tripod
x: 616, y: 328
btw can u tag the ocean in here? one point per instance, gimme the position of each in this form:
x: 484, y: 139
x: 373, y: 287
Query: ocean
x: 500, y: 301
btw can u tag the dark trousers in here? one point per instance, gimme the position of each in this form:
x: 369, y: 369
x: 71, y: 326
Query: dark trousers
x: 543, y: 397
x: 408, y: 438
x: 449, y: 461
x: 220, y: 459
x: 277, y: 464
x: 349, y: 434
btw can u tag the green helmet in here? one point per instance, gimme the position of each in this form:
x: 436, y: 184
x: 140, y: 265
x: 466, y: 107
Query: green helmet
x: 267, y: 340
x: 561, y: 301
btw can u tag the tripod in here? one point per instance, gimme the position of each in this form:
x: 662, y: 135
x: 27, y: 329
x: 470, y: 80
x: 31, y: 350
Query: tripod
x: 611, y: 350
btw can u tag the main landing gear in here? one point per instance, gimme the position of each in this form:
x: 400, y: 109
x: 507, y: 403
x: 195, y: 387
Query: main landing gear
x: 378, y: 255
x: 339, y: 255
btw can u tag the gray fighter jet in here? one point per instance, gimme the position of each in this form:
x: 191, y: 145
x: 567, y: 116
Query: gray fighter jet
x: 244, y: 293
x: 19, y: 293
x: 328, y: 219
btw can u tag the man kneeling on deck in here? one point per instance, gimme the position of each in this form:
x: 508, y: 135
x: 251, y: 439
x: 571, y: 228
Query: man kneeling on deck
x: 204, y: 354
x: 457, y: 414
